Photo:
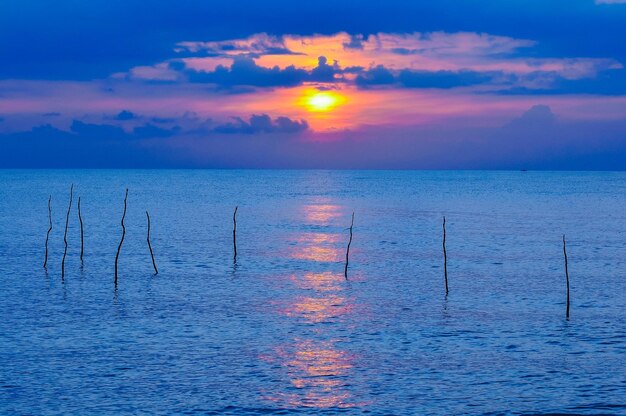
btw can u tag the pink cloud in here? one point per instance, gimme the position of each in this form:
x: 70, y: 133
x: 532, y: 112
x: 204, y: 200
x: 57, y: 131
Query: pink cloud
x: 435, y: 51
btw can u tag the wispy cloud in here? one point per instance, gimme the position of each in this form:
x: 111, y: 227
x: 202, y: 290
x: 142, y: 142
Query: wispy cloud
x: 264, y: 60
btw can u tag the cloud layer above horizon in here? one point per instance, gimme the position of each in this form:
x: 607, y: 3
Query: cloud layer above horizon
x: 479, y: 86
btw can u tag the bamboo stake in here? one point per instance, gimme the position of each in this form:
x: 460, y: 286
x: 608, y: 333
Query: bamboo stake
x: 45, y: 262
x: 156, y: 271
x: 82, y: 244
x: 67, y: 221
x: 445, y: 255
x: 235, y: 234
x: 566, y: 278
x: 119, y: 248
x: 345, y: 271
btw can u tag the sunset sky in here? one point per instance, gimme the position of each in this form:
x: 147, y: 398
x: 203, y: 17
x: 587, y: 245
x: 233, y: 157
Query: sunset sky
x: 536, y: 84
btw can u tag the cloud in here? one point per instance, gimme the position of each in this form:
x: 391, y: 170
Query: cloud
x: 324, y: 72
x: 98, y: 131
x: 534, y: 132
x: 44, y: 44
x: 537, y: 115
x: 356, y: 42
x: 104, y: 145
x: 150, y: 131
x: 443, y: 79
x: 199, y: 58
x: 610, y: 1
x: 262, y: 124
x: 411, y: 60
x: 244, y: 71
x: 536, y: 139
x: 610, y: 82
x: 163, y: 120
x: 125, y: 115
x: 255, y: 45
x: 378, y: 75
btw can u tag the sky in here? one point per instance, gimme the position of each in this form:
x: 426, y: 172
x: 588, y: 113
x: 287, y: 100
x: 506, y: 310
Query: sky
x: 395, y: 84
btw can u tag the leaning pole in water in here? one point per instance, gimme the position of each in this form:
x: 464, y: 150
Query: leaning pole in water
x: 156, y: 271
x: 119, y: 248
x: 82, y: 244
x: 445, y: 255
x: 566, y: 278
x: 235, y: 235
x: 345, y: 271
x: 67, y: 221
x: 45, y: 262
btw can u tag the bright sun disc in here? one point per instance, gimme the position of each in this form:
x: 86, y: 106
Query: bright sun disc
x: 322, y: 101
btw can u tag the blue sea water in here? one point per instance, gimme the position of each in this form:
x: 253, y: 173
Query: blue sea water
x: 282, y: 330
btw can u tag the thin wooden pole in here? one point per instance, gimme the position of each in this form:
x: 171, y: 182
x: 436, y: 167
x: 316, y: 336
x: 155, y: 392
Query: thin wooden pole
x: 566, y: 278
x: 345, y: 271
x: 82, y: 236
x: 156, y: 271
x: 67, y: 221
x: 45, y: 262
x: 235, y: 234
x: 445, y: 255
x: 119, y: 248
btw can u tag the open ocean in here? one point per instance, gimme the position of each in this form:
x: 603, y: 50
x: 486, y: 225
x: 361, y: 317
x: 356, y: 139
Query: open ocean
x: 282, y: 331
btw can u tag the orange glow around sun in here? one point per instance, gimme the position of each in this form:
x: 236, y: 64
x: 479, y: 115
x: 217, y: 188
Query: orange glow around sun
x: 322, y: 101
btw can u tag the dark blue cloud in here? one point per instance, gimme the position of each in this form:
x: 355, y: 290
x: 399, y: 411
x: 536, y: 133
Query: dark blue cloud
x: 606, y: 82
x: 67, y: 39
x: 245, y: 72
x: 48, y: 147
x: 444, y: 79
x: 125, y: 115
x: 93, y: 145
x: 537, y: 139
x: 324, y: 72
x: 262, y: 124
x: 380, y: 75
x: 356, y: 42
x: 110, y: 133
x: 609, y: 82
x: 163, y: 120
x: 98, y: 131
x: 150, y: 131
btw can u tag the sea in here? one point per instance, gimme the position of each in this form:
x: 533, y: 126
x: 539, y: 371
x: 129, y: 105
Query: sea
x: 282, y: 328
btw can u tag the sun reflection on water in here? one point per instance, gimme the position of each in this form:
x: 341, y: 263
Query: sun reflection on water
x: 316, y: 309
x: 318, y: 371
x: 321, y: 214
x: 320, y: 247
x: 320, y: 282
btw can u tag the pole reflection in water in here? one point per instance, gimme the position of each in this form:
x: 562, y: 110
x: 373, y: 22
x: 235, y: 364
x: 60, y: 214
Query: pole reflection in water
x: 318, y: 371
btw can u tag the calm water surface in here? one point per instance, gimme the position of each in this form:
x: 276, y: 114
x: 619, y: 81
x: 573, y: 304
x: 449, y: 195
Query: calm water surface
x: 281, y: 330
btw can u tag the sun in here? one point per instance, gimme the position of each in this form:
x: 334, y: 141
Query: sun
x: 322, y: 101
